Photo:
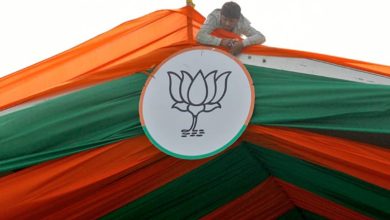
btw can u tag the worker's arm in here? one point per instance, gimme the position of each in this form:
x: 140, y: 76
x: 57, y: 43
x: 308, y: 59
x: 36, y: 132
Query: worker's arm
x: 253, y: 36
x: 204, y: 35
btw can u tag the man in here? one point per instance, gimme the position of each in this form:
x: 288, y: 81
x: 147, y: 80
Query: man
x: 230, y: 19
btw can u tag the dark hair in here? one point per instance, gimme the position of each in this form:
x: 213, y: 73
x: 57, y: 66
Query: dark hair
x: 231, y: 10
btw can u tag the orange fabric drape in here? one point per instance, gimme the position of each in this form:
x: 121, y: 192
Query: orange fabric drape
x: 91, y: 183
x: 280, y: 52
x: 274, y: 197
x: 312, y: 202
x: 125, y: 50
x: 266, y: 201
x: 364, y: 161
x: 121, y: 45
x: 111, y: 176
x: 355, y: 64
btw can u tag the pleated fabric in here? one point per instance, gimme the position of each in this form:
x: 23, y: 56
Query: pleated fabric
x: 71, y: 144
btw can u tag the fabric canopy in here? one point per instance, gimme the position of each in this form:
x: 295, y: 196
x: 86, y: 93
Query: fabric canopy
x: 71, y: 144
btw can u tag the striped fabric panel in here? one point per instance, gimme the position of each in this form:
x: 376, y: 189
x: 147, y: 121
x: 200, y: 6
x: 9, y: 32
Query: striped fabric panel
x: 367, y: 162
x: 235, y: 173
x: 292, y: 99
x: 91, y: 183
x: 108, y: 112
x: 199, y: 192
x: 266, y: 201
x: 352, y: 193
x: 275, y: 198
x: 68, y: 124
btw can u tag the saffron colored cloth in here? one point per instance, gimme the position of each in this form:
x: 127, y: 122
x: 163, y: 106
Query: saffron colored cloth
x: 108, y: 112
x: 71, y: 145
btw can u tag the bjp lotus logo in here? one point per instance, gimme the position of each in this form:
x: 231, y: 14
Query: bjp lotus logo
x: 196, y: 103
x: 197, y: 94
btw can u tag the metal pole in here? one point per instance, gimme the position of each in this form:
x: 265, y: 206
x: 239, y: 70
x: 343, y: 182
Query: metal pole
x: 190, y: 3
x: 189, y: 21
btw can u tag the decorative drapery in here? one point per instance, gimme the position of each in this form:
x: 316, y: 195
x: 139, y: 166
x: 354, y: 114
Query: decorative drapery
x: 71, y: 144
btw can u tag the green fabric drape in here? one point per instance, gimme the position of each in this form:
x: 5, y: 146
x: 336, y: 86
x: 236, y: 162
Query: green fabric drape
x: 200, y: 191
x: 232, y: 174
x: 108, y: 112
x: 338, y: 187
x: 300, y: 214
x: 78, y: 121
x: 306, y: 101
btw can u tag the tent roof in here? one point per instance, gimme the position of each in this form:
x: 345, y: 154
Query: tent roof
x: 116, y: 53
x: 85, y: 156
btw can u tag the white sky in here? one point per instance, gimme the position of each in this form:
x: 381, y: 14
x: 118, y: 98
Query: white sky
x: 33, y: 30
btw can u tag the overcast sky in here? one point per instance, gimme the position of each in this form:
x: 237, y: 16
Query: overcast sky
x: 33, y: 30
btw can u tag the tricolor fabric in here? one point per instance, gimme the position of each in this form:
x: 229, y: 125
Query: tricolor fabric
x: 71, y: 143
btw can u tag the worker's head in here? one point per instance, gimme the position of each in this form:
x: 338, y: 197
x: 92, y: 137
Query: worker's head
x: 230, y: 15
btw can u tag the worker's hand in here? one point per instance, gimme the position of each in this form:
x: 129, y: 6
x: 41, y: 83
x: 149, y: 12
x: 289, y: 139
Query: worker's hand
x: 227, y: 43
x: 237, y: 47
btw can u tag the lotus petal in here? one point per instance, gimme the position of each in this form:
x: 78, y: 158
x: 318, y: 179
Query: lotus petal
x: 197, y: 93
x: 221, y: 82
x: 185, y: 85
x: 174, y: 86
x: 181, y: 106
x: 211, y: 86
x: 211, y: 107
